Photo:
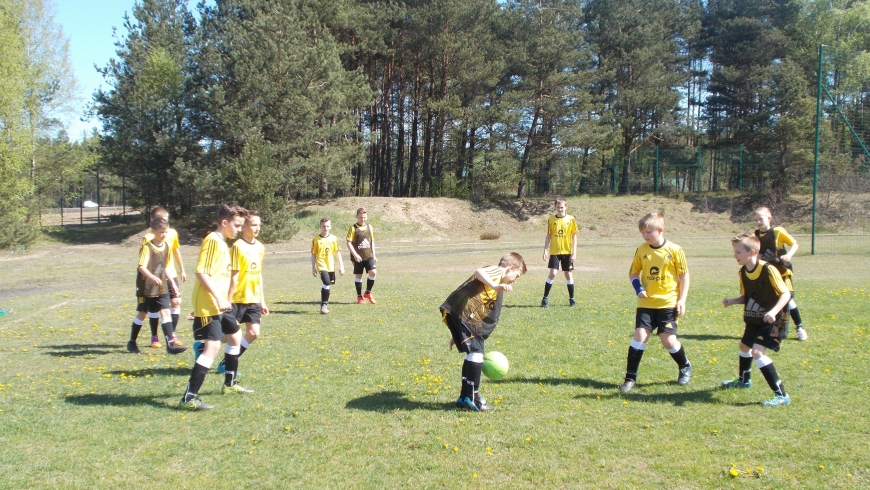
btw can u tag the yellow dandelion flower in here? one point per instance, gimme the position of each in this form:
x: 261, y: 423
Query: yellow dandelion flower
x: 734, y: 473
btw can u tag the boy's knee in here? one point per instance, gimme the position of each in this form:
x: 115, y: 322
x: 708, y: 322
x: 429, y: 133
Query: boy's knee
x: 253, y: 331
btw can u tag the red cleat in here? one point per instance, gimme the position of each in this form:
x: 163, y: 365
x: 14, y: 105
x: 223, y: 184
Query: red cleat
x: 369, y: 297
x: 359, y: 300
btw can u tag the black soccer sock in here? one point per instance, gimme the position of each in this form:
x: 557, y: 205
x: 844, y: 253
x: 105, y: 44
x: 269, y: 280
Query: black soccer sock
x: 796, y: 317
x: 466, y: 387
x: 135, y: 328
x: 324, y: 296
x: 197, y: 376
x: 475, y: 371
x: 571, y: 291
x: 547, y: 286
x: 358, y: 285
x: 153, y: 322
x: 231, y: 364
x: 634, y: 357
x: 744, y: 369
x: 175, y: 321
x: 370, y: 283
x: 168, y: 332
x: 680, y: 357
x: 773, y: 380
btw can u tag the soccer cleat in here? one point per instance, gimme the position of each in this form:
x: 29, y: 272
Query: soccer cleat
x: 801, y: 334
x: 236, y: 388
x: 369, y: 297
x: 545, y: 303
x: 155, y: 343
x: 465, y: 403
x: 176, y: 341
x: 572, y: 303
x: 173, y: 348
x: 685, y: 375
x: 627, y: 385
x: 777, y: 400
x: 482, y: 405
x: 323, y: 309
x: 195, y: 404
x: 132, y: 347
x: 736, y: 383
x: 360, y: 301
x: 198, y: 347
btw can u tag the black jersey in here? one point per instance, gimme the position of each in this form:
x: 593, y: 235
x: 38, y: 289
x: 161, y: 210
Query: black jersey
x: 762, y: 290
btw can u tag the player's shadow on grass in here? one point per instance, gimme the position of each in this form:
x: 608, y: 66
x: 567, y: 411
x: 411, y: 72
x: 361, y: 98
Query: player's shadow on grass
x: 707, y: 336
x: 638, y: 394
x: 82, y: 350
x: 524, y: 306
x: 594, y: 384
x: 389, y: 401
x: 118, y: 400
x: 164, y: 371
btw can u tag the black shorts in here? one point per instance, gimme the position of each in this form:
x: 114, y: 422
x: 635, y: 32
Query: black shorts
x: 172, y: 292
x: 561, y: 260
x: 327, y: 277
x: 153, y: 305
x: 364, y: 265
x: 247, y: 312
x: 214, y: 327
x: 768, y: 335
x: 463, y: 338
x: 663, y: 319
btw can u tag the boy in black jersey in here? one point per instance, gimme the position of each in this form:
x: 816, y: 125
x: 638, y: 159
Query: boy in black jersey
x: 764, y: 297
x: 361, y: 243
x: 471, y: 313
x: 777, y: 249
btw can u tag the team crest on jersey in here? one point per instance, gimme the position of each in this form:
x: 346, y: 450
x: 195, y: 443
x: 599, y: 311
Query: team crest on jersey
x: 254, y: 267
x: 669, y: 257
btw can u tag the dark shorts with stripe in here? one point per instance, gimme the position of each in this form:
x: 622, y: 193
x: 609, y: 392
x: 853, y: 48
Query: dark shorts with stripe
x: 247, y: 312
x: 463, y: 338
x: 563, y: 261
x: 364, y: 265
x: 769, y: 335
x: 214, y: 327
x: 154, y: 304
x: 327, y: 277
x: 662, y: 319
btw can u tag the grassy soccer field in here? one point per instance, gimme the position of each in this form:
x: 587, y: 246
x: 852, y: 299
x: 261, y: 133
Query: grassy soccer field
x: 364, y: 397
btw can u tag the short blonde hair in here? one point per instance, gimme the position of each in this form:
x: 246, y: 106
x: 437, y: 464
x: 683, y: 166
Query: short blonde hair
x: 762, y: 211
x: 159, y: 223
x: 560, y: 200
x: 159, y: 211
x: 515, y: 260
x: 361, y: 211
x: 749, y: 241
x: 653, y: 219
x: 324, y: 219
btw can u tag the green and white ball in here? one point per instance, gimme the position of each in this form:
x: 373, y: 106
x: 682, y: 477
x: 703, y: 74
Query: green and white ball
x: 495, y: 365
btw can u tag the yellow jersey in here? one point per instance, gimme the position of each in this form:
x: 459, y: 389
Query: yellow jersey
x: 324, y: 249
x: 659, y: 269
x: 561, y: 231
x: 247, y: 259
x: 172, y: 241
x: 213, y: 261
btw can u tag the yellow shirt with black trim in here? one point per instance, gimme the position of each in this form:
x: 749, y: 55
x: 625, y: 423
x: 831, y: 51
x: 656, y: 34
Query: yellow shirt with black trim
x: 247, y: 259
x: 659, y: 269
x: 477, y: 304
x: 213, y: 261
x: 154, y: 258
x: 561, y: 230
x: 323, y: 249
x: 172, y: 241
x: 783, y: 239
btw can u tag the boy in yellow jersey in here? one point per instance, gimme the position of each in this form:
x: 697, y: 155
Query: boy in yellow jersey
x: 153, y: 285
x: 214, y: 318
x: 246, y: 282
x: 774, y: 241
x: 361, y: 243
x: 325, y: 250
x: 764, y: 296
x: 174, y: 258
x: 660, y: 278
x: 471, y: 313
x: 560, y: 249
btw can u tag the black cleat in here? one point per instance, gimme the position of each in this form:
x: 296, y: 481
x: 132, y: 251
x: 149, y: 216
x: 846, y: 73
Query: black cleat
x: 132, y: 347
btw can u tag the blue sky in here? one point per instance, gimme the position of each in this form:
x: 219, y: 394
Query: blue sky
x: 88, y: 26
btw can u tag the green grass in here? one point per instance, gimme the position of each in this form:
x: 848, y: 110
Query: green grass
x: 363, y: 397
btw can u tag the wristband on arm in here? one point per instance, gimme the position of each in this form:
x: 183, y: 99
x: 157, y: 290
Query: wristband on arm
x: 637, y: 286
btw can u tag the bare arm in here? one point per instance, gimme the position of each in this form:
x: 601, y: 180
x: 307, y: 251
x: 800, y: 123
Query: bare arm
x: 313, y: 265
x: 177, y: 254
x: 151, y: 277
x: 682, y: 293
x: 631, y: 279
x: 234, y: 281
x: 783, y: 300
x: 547, y: 247
x: 482, y: 276
x: 726, y: 302
x: 353, y: 254
x: 340, y: 262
